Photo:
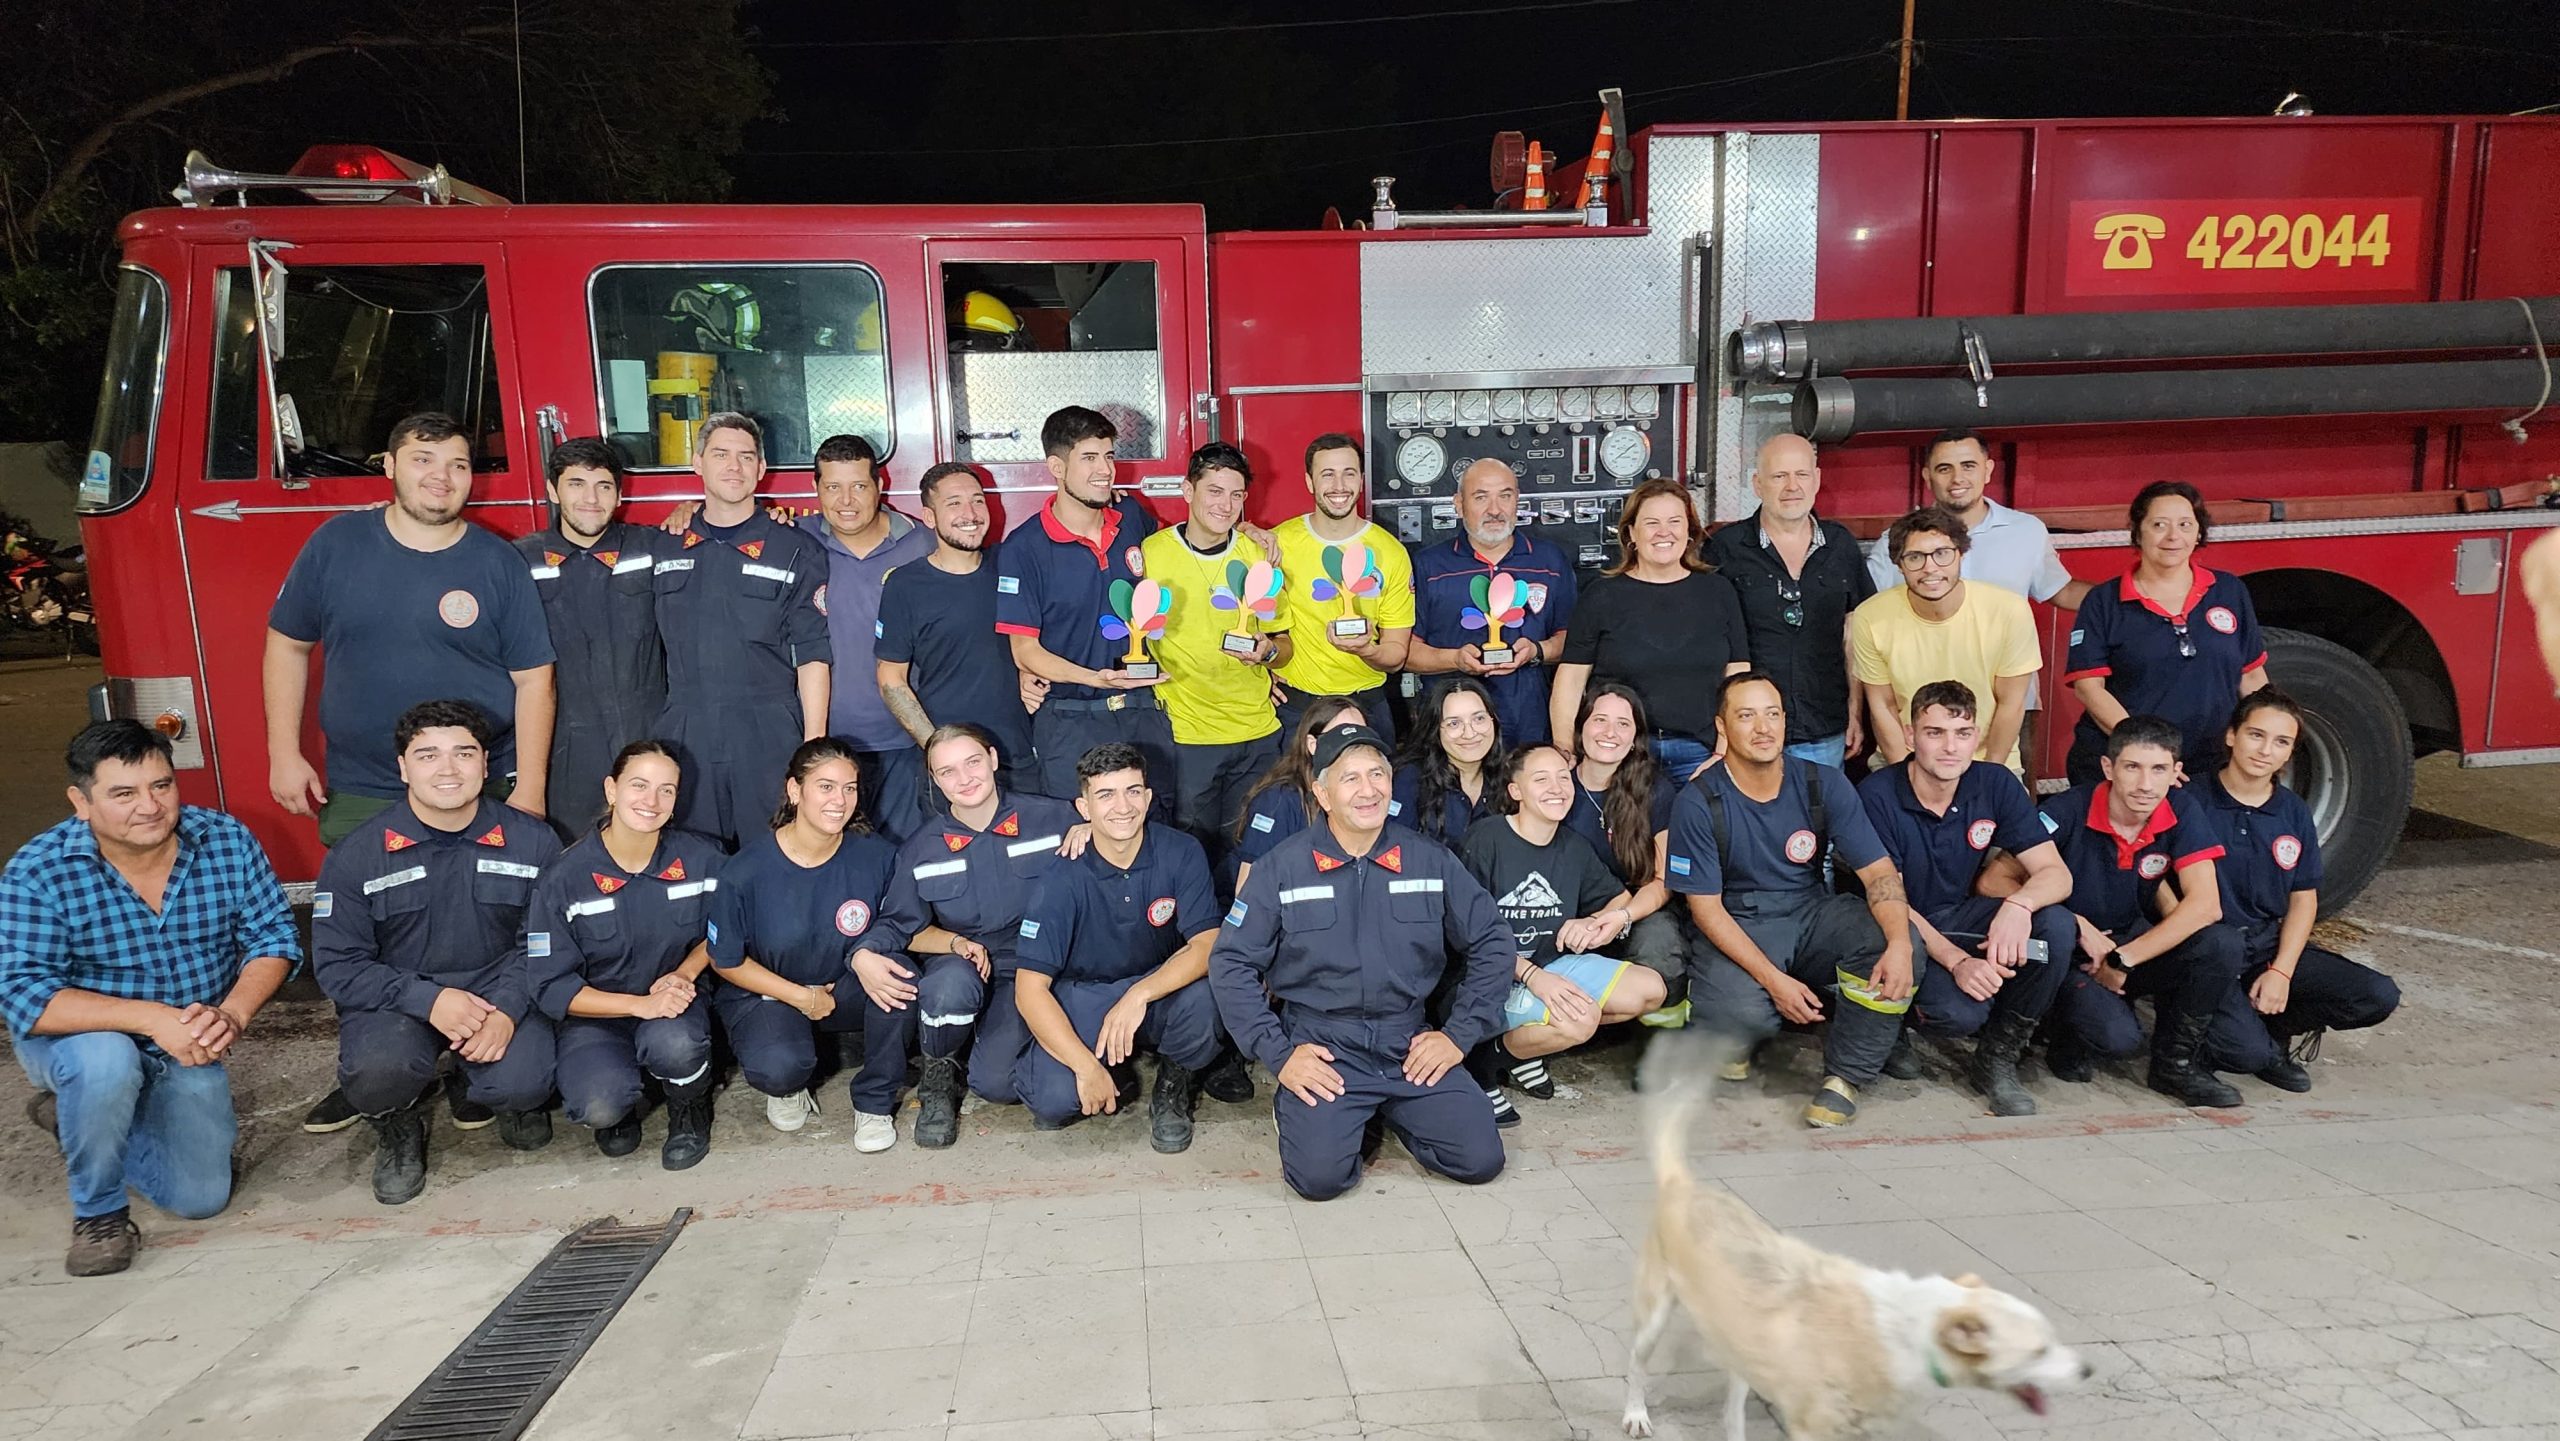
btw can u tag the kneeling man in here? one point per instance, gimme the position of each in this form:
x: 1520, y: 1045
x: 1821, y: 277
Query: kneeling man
x: 137, y: 941
x: 1349, y: 927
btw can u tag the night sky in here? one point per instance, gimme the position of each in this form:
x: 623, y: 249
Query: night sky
x: 1267, y: 112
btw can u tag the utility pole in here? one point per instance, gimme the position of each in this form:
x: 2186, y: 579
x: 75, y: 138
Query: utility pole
x: 1902, y: 86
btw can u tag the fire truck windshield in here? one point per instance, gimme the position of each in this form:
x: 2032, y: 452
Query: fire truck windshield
x: 120, y: 446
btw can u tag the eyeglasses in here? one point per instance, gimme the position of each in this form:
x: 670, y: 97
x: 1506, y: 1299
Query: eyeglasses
x: 2186, y: 643
x: 1791, y: 599
x: 1944, y: 555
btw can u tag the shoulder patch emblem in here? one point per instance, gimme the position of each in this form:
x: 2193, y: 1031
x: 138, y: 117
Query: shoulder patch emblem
x: 1979, y: 834
x: 2221, y: 619
x: 537, y: 944
x: 322, y: 903
x: 2153, y: 866
x: 1236, y: 913
x: 1030, y: 929
x: 1679, y: 865
x: 606, y: 885
x: 1800, y: 847
x: 853, y: 917
x: 818, y: 598
x: 2287, y: 850
x: 1262, y: 823
x: 1160, y: 910
x: 1136, y: 560
x: 1008, y: 585
x: 2051, y: 826
x: 458, y: 608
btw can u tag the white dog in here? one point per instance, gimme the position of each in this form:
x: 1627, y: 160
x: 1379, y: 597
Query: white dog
x: 1838, y: 1349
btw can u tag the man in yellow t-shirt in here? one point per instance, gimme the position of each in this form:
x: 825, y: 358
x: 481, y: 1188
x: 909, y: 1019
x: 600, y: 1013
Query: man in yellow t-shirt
x: 1346, y: 661
x: 1938, y: 626
x: 1225, y: 731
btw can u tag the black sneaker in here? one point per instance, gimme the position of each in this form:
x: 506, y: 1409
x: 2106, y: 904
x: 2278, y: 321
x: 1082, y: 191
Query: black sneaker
x: 331, y: 1114
x: 1505, y: 1114
x: 531, y: 1130
x: 1227, y: 1079
x: 1531, y: 1077
x: 468, y: 1114
x: 102, y: 1245
x: 619, y: 1139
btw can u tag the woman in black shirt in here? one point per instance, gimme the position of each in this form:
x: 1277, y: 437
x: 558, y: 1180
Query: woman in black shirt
x: 1662, y: 622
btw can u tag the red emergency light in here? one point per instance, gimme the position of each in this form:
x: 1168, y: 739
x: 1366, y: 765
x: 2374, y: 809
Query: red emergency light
x: 407, y: 179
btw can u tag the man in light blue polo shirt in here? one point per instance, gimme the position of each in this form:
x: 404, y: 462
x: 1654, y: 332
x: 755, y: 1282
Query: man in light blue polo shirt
x: 864, y: 539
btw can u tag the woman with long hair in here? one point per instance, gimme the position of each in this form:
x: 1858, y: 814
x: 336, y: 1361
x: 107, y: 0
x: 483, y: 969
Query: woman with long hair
x: 1282, y: 800
x: 1450, y: 775
x: 614, y: 935
x: 1662, y: 621
x: 1622, y: 805
x: 801, y: 935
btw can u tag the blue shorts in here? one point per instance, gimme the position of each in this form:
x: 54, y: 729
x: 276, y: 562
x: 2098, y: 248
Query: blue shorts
x: 1596, y: 975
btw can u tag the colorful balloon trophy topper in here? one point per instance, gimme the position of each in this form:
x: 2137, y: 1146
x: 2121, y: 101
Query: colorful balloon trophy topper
x: 1351, y: 575
x: 1137, y: 613
x: 1498, y: 603
x: 1253, y: 593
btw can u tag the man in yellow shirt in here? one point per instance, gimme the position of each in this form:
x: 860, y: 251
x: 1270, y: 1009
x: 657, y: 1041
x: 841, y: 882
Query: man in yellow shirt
x: 1215, y: 652
x: 1938, y: 626
x: 1334, y: 655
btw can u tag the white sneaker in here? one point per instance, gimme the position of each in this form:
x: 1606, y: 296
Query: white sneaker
x: 790, y: 1113
x: 873, y: 1133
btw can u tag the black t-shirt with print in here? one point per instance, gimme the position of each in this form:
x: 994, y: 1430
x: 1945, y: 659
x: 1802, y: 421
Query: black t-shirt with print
x: 1537, y: 888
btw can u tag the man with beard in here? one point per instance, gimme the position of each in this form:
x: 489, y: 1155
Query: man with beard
x: 407, y: 603
x: 1054, y: 575
x: 864, y: 540
x: 592, y: 572
x: 742, y: 609
x: 1938, y: 625
x: 1444, y: 578
x: 937, y: 657
x: 1330, y: 659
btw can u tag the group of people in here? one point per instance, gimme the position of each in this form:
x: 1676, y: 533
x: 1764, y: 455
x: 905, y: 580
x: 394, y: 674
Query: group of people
x: 615, y: 809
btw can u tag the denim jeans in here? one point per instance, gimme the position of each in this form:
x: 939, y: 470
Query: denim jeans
x: 1679, y: 755
x: 132, y: 1118
x: 1829, y: 751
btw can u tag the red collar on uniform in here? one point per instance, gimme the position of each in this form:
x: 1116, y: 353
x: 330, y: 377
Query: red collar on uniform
x: 1392, y: 858
x: 607, y: 558
x: 495, y: 836
x: 1100, y: 545
x: 1011, y: 825
x: 2160, y: 820
x: 673, y: 872
x: 394, y: 841
x: 605, y: 884
x: 692, y: 539
x: 2130, y: 591
x: 1326, y: 863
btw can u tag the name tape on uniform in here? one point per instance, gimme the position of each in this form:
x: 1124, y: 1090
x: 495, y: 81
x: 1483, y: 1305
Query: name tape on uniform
x: 683, y: 562
x: 509, y: 868
x: 769, y: 572
x: 1040, y: 843
x: 693, y: 888
x: 602, y: 905
x: 1418, y: 883
x: 397, y: 878
x: 940, y: 868
x: 1306, y: 893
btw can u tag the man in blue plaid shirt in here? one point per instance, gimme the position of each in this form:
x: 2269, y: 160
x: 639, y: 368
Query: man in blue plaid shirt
x: 138, y: 940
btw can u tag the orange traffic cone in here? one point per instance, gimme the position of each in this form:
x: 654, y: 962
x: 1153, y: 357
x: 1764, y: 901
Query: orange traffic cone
x: 1603, y: 145
x: 1533, y: 188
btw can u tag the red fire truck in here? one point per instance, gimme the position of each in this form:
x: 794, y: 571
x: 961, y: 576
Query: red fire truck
x: 1702, y: 299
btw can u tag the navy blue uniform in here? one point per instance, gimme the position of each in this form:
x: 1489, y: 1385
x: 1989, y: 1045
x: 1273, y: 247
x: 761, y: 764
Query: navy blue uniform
x: 1771, y: 882
x: 1055, y: 586
x: 601, y: 607
x: 1443, y: 593
x: 741, y: 610
x: 1274, y: 816
x: 404, y: 911
x: 1352, y: 949
x: 2112, y: 880
x: 803, y: 923
x: 943, y: 628
x: 397, y: 626
x: 1940, y: 857
x: 592, y: 923
x: 2271, y: 854
x: 1095, y: 930
x: 976, y: 884
x: 1457, y: 815
x: 2184, y: 667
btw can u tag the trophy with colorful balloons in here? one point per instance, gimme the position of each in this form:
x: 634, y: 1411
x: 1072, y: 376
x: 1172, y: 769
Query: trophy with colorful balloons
x: 1137, y: 612
x: 1350, y: 575
x: 1253, y: 593
x: 1499, y: 601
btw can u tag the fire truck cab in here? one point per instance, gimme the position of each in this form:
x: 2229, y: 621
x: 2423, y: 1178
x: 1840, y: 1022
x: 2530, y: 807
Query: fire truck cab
x: 263, y: 349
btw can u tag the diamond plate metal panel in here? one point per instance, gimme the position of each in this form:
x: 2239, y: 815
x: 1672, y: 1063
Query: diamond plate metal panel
x: 1772, y: 220
x: 1012, y: 392
x: 847, y: 395
x: 1570, y: 302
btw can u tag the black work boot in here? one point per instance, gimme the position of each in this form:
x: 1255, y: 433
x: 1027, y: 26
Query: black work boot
x: 2068, y: 1059
x: 527, y: 1130
x: 1169, y: 1108
x: 400, y: 1155
x: 1226, y: 1079
x: 621, y: 1138
x: 102, y: 1245
x: 1125, y: 1076
x: 2177, y: 1063
x: 1994, y: 1066
x: 938, y: 1102
x: 2287, y: 1072
x: 688, y: 1123
x: 1904, y: 1063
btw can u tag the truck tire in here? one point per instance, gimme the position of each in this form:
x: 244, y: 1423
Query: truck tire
x: 2352, y: 765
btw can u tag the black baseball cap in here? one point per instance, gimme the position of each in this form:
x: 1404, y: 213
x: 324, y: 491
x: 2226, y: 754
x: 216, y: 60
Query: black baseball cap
x: 1331, y: 745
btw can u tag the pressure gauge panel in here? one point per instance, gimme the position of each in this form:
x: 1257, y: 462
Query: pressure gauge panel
x: 1404, y: 408
x: 1644, y: 401
x: 1576, y: 402
x: 1624, y: 451
x: 1421, y: 460
x: 1440, y: 407
x: 1510, y: 407
x: 1542, y: 404
x: 1609, y: 401
x: 1475, y: 407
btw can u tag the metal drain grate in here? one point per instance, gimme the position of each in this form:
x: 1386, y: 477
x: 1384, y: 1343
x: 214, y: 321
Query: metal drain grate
x: 492, y: 1385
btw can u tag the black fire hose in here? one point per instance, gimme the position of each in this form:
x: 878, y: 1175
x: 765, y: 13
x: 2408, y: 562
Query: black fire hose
x: 1829, y: 408
x: 1794, y: 349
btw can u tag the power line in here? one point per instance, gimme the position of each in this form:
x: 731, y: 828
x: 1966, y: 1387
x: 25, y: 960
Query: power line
x: 1170, y: 30
x: 2288, y: 27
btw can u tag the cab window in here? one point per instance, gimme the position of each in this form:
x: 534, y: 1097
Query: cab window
x: 1027, y: 339
x: 364, y: 346
x: 128, y: 421
x: 799, y: 347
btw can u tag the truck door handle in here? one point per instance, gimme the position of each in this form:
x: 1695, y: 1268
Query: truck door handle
x: 1013, y: 434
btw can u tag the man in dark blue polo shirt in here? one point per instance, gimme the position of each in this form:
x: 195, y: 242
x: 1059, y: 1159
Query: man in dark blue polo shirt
x: 1749, y: 839
x: 864, y: 539
x: 1450, y: 628
x: 1053, y: 592
x: 2270, y: 879
x: 1114, y: 959
x: 938, y: 658
x: 2124, y: 838
x: 1940, y: 814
